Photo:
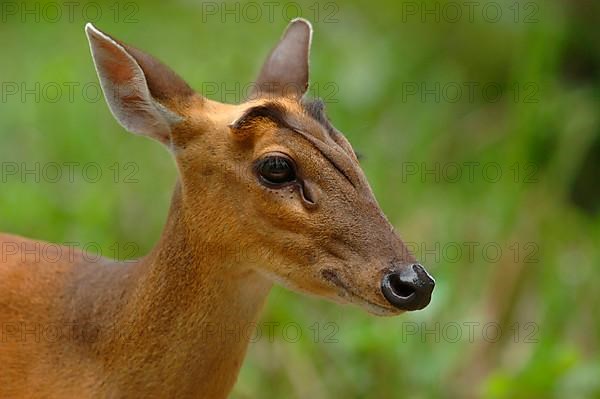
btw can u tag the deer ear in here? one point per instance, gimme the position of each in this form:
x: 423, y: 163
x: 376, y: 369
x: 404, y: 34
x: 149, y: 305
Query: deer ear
x: 140, y: 91
x: 285, y: 72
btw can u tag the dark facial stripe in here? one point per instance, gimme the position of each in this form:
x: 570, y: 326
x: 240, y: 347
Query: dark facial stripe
x: 318, y: 145
x: 277, y: 114
x: 272, y: 111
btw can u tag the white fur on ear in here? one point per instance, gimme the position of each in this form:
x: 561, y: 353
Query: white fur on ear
x: 285, y: 72
x: 126, y: 89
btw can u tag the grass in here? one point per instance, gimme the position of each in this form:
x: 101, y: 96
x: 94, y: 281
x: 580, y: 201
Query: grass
x: 515, y: 251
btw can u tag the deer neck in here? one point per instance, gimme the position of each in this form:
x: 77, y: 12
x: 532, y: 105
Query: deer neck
x: 190, y: 314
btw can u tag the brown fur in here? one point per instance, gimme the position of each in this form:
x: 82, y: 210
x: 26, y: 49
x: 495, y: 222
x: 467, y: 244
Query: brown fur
x: 144, y: 328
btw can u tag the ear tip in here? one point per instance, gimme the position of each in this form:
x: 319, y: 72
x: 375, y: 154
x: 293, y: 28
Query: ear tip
x: 90, y: 28
x: 301, y: 22
x: 92, y: 32
x: 301, y: 29
x: 96, y: 35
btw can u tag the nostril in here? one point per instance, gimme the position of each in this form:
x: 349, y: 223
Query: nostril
x: 399, y: 287
x: 409, y: 288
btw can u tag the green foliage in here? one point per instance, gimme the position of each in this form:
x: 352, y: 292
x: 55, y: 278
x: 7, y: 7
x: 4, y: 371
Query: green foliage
x: 540, y: 132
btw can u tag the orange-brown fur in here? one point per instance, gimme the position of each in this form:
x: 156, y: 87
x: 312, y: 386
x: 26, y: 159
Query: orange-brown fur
x: 147, y: 324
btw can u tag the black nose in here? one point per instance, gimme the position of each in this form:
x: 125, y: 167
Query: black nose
x: 409, y: 288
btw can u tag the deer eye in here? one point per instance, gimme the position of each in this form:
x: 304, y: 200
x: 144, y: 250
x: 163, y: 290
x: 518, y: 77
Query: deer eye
x: 276, y: 170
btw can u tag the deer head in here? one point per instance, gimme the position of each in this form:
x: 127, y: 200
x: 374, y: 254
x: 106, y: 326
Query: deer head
x: 269, y: 179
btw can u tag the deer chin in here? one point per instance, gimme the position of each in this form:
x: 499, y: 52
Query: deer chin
x: 372, y: 308
x: 334, y: 290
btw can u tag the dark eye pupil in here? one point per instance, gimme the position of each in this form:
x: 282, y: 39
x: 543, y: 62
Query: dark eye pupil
x: 277, y: 170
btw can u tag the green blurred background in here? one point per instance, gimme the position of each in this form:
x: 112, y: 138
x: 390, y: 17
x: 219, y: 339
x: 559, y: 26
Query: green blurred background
x: 480, y: 133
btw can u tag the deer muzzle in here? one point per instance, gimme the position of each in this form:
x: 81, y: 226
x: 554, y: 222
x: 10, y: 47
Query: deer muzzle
x: 409, y: 288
